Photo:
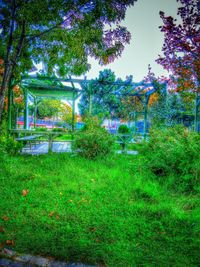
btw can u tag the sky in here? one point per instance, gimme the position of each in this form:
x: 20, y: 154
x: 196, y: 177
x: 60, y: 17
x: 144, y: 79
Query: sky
x: 142, y: 20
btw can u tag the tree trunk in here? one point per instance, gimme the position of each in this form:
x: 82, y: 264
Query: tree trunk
x: 1, y: 106
x: 4, y: 86
x: 10, y: 65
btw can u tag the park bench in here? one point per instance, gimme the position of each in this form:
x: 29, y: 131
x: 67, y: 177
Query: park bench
x: 29, y: 138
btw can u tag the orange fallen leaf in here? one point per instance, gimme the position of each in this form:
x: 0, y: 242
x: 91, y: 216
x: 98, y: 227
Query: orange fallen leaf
x: 10, y: 242
x: 57, y: 217
x: 25, y: 192
x: 93, y: 229
x: 51, y: 213
x: 5, y: 218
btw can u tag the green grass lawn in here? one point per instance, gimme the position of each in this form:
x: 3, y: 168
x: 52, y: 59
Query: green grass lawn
x: 64, y: 137
x: 111, y: 212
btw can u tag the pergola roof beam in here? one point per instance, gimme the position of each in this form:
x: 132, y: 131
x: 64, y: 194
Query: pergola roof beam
x: 50, y: 87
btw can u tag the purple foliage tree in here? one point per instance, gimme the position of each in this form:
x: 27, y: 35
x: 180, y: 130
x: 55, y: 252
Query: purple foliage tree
x: 181, y: 48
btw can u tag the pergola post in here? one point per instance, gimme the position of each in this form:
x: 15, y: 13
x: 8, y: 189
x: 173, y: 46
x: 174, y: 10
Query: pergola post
x: 135, y: 122
x: 90, y: 99
x: 73, y: 112
x: 16, y: 116
x: 146, y: 101
x: 26, y: 109
x: 73, y: 108
x: 35, y: 113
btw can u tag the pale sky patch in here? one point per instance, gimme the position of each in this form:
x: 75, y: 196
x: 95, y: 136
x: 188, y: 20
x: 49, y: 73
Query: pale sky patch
x: 142, y: 20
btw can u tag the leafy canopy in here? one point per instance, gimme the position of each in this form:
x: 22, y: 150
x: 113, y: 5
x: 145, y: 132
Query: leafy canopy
x: 49, y: 108
x: 104, y: 101
x: 181, y: 48
x: 62, y: 33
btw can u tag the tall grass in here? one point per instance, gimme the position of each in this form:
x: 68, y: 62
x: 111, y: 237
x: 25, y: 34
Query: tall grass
x: 111, y: 212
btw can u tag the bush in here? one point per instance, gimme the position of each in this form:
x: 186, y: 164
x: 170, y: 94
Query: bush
x: 124, y: 129
x: 91, y: 123
x: 93, y: 141
x: 41, y: 129
x: 9, y: 145
x: 56, y: 129
x: 174, y: 154
x: 125, y: 137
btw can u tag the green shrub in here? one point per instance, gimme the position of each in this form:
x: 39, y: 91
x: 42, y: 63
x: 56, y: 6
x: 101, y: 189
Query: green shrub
x: 124, y: 135
x: 41, y: 129
x: 56, y: 129
x: 91, y: 123
x: 9, y: 145
x: 174, y: 154
x: 123, y: 129
x: 93, y: 141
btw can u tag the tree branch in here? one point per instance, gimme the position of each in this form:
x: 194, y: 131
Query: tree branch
x: 20, y: 44
x: 52, y: 28
x: 46, y: 31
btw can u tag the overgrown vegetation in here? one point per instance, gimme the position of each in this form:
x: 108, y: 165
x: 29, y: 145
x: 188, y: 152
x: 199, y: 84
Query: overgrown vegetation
x: 124, y: 136
x: 93, y: 141
x: 124, y: 129
x: 111, y: 212
x: 173, y: 155
x: 8, y: 145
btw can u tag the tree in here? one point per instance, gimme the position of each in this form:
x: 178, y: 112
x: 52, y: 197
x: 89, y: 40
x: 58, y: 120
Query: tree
x: 99, y: 99
x: 181, y: 48
x: 165, y: 111
x: 67, y: 114
x: 49, y: 108
x: 61, y: 34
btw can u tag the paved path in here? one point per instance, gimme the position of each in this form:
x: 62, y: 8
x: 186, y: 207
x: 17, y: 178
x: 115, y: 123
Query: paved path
x: 4, y: 262
x: 42, y: 148
x: 10, y: 258
x: 58, y: 147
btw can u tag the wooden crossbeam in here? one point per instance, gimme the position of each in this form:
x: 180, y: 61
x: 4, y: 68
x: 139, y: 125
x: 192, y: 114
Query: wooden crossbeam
x: 135, y: 90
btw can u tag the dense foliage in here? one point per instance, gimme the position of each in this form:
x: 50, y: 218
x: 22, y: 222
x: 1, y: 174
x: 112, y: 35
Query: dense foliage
x: 181, y: 46
x: 124, y: 135
x: 173, y: 155
x: 123, y: 129
x: 49, y: 108
x: 165, y: 111
x: 63, y: 38
x: 8, y: 145
x: 98, y: 98
x: 93, y: 141
x: 106, y: 99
